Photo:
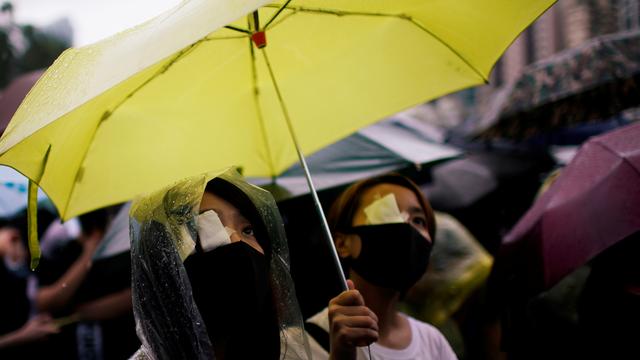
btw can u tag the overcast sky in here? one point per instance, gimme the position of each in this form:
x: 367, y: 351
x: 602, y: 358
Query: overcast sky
x: 92, y: 20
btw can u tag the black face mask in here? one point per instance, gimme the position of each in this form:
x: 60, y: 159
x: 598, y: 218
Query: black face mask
x: 392, y: 256
x: 230, y: 286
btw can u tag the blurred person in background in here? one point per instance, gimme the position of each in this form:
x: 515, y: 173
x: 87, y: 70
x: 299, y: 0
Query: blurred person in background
x: 17, y: 329
x: 89, y: 297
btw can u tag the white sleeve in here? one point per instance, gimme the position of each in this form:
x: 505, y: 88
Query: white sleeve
x: 435, y: 344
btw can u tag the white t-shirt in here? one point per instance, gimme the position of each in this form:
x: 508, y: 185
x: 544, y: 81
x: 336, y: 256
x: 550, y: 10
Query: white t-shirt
x: 426, y: 343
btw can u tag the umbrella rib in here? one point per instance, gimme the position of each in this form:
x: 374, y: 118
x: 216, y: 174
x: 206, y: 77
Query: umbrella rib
x: 161, y: 71
x: 256, y: 99
x: 108, y: 113
x: 624, y: 159
x: 282, y: 7
x: 211, y: 38
x: 338, y: 12
x: 239, y: 29
x: 281, y: 19
x: 460, y: 56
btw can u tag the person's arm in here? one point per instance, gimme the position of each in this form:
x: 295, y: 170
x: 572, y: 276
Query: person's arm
x: 106, y: 307
x: 58, y: 294
x: 351, y: 323
x: 35, y: 329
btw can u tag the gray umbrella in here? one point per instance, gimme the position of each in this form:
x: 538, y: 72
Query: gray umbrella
x: 377, y: 149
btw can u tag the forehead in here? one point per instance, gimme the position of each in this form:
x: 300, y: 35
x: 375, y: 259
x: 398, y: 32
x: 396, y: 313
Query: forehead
x: 212, y: 201
x: 404, y: 197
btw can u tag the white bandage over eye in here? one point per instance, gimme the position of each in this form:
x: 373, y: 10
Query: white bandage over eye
x: 385, y: 211
x: 211, y: 232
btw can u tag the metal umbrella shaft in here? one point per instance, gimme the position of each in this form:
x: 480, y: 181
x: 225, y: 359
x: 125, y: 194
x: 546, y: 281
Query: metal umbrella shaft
x: 303, y: 162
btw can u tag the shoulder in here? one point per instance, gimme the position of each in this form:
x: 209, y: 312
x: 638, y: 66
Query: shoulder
x: 423, y: 327
x: 432, y: 339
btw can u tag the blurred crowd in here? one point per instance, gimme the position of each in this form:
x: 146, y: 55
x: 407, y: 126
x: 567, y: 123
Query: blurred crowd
x: 74, y: 303
x: 79, y: 302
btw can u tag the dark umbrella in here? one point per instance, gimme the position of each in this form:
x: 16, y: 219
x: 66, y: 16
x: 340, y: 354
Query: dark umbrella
x: 460, y: 183
x: 487, y: 191
x: 377, y: 149
x: 591, y: 206
x: 13, y: 95
x: 584, y: 84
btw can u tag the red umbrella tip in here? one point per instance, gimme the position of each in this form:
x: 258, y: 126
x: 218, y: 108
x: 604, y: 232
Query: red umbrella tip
x: 259, y: 39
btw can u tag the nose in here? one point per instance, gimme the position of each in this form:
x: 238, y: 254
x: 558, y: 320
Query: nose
x: 422, y: 231
x: 235, y: 237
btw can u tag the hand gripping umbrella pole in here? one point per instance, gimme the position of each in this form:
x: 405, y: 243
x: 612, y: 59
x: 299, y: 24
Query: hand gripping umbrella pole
x: 259, y: 39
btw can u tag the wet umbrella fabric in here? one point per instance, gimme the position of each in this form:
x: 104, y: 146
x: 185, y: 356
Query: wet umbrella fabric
x: 592, y: 205
x: 157, y: 96
x: 587, y: 84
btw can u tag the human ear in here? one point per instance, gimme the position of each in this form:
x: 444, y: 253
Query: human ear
x: 343, y: 245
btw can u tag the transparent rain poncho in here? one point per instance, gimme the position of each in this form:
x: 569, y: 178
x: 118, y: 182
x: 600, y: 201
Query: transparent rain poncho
x: 163, y: 234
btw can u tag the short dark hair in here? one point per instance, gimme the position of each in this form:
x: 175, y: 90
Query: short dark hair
x: 344, y: 208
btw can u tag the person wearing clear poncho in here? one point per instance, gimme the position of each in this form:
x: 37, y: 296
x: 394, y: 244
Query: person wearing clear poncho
x: 211, y: 277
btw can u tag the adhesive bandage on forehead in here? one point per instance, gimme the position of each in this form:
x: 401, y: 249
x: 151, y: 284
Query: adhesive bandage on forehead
x: 211, y: 232
x: 384, y: 210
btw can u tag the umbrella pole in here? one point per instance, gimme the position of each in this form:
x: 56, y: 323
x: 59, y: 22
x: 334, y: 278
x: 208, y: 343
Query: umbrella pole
x: 323, y: 219
x: 307, y: 174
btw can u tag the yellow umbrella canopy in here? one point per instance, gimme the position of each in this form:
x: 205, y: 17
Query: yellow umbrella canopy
x: 196, y: 88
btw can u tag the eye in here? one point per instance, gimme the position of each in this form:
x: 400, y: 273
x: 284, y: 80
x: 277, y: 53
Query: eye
x: 248, y: 230
x: 419, y: 221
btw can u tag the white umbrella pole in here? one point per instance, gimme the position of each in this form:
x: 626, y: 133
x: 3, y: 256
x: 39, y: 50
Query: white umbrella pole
x: 303, y: 162
x: 323, y: 219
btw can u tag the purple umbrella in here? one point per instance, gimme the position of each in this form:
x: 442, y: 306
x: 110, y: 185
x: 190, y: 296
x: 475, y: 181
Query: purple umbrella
x: 594, y: 203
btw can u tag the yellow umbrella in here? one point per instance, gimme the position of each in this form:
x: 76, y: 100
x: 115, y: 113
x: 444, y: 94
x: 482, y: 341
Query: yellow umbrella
x: 186, y: 92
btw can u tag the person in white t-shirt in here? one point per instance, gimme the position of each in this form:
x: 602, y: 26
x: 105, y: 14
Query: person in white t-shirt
x: 383, y: 229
